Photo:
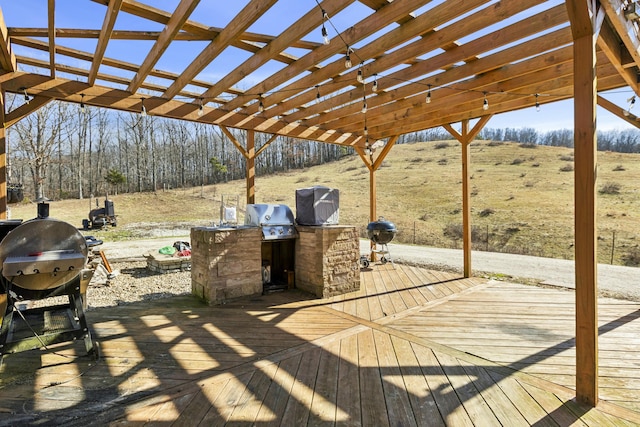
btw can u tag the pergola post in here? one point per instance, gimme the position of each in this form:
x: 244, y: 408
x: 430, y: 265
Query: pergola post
x: 465, y: 136
x: 586, y: 252
x: 373, y: 197
x: 373, y: 162
x: 585, y: 24
x: 251, y: 166
x: 3, y: 160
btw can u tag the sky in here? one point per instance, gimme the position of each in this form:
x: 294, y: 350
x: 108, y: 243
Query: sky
x: 33, y: 13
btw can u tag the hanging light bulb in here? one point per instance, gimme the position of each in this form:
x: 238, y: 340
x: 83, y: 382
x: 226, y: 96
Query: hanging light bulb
x: 26, y: 96
x: 367, y: 149
x: 317, y: 94
x: 485, y: 103
x: 428, y: 100
x: 200, y: 109
x: 364, y: 106
x: 325, y: 35
x: 260, y: 105
x: 631, y: 101
x: 82, y: 109
x: 537, y: 104
x: 347, y: 58
x: 360, y: 77
x: 366, y: 131
x: 374, y: 86
x: 143, y: 110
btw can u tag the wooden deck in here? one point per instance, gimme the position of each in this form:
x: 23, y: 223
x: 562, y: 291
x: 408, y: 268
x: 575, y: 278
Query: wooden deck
x: 413, y: 347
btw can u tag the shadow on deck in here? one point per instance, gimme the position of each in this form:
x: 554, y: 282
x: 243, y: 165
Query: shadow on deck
x: 412, y: 347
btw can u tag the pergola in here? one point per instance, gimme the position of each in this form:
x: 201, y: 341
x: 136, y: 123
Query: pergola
x: 400, y: 66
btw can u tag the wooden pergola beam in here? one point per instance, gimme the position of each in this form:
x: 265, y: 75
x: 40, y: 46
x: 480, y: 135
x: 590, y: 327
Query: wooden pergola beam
x: 296, y: 31
x: 122, y: 65
x: 177, y: 20
x: 52, y: 38
x: 248, y: 41
x: 105, y: 34
x: 243, y: 20
x: 24, y: 110
x: 445, y: 60
x: 368, y: 26
x: 7, y: 58
x: 619, y: 112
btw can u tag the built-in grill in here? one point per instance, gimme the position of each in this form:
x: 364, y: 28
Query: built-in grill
x: 278, y: 244
x: 276, y: 221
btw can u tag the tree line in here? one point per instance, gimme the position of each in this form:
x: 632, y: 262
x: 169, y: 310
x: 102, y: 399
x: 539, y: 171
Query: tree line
x: 623, y: 141
x: 62, y: 151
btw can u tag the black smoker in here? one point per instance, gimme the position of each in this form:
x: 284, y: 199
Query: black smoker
x: 43, y: 258
x: 278, y: 244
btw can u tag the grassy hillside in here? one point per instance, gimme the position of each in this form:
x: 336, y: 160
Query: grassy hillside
x: 522, y: 198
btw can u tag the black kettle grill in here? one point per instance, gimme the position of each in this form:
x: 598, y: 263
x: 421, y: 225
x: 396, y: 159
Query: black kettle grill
x: 380, y: 232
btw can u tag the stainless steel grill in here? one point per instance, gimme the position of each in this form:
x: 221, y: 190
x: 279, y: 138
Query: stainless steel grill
x: 276, y: 221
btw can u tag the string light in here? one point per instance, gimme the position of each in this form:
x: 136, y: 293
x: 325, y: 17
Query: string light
x: 537, y: 103
x: 143, y: 110
x: 201, y: 109
x: 347, y: 58
x: 360, y: 77
x: 374, y: 86
x: 429, y: 95
x: 260, y: 105
x: 325, y: 34
x: 364, y: 105
x: 82, y: 109
x: 367, y: 149
x: 317, y: 94
x: 366, y: 131
x: 485, y: 103
x: 26, y: 96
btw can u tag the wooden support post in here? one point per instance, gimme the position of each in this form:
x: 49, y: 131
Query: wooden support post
x: 465, y: 137
x: 3, y: 160
x: 466, y: 207
x: 251, y: 166
x: 585, y: 101
x: 372, y: 207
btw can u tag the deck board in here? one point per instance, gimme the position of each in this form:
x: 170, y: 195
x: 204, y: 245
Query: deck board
x: 412, y: 347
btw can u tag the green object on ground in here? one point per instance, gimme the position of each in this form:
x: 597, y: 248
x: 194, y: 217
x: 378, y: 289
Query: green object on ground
x: 167, y: 250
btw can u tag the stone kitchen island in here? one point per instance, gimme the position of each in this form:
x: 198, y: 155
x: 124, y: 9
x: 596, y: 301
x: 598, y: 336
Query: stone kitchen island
x: 228, y: 262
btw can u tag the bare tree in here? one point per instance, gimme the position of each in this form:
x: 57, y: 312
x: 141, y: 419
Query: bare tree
x: 37, y: 135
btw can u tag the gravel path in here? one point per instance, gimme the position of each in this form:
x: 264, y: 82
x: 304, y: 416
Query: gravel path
x: 133, y: 282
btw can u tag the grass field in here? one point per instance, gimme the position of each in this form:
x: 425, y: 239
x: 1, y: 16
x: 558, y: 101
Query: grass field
x: 522, y: 199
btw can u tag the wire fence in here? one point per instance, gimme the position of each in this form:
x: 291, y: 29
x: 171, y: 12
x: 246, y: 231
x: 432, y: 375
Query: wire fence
x: 614, y: 247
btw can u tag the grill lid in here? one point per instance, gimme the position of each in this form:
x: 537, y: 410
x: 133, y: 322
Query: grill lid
x: 276, y: 221
x: 381, y: 231
x: 268, y: 214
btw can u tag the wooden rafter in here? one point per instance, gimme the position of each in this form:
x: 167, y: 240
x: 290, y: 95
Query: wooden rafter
x: 476, y: 55
x: 52, y: 38
x: 247, y: 41
x: 122, y: 65
x: 103, y: 40
x: 621, y: 113
x: 248, y: 15
x: 178, y: 18
x: 7, y: 58
x: 311, y: 19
